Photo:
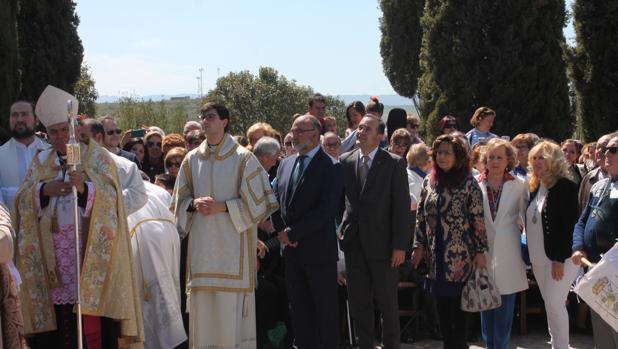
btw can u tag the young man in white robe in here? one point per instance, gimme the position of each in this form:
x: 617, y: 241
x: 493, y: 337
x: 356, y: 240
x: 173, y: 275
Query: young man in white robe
x: 156, y: 263
x: 221, y: 194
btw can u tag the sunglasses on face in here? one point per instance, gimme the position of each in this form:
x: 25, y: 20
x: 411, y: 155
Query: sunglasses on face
x: 288, y: 144
x: 153, y: 144
x: 172, y: 164
x: 413, y: 125
x: 611, y: 150
x: 111, y: 132
x: 450, y: 126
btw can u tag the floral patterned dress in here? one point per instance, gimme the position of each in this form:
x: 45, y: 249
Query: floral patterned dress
x: 450, y: 227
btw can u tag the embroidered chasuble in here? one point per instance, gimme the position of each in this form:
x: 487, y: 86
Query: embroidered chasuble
x: 221, y: 259
x: 46, y: 237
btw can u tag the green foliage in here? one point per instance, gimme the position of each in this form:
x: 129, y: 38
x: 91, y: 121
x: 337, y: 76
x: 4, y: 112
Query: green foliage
x: 9, y: 66
x: 85, y: 92
x: 507, y: 55
x: 401, y: 43
x: 133, y: 113
x: 594, y: 67
x: 267, y: 97
x: 50, y: 49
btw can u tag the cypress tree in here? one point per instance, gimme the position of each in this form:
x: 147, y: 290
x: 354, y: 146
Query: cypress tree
x: 507, y: 55
x: 49, y: 46
x: 9, y: 68
x: 401, y: 43
x: 594, y: 67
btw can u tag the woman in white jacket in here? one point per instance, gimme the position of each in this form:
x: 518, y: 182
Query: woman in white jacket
x: 504, y: 203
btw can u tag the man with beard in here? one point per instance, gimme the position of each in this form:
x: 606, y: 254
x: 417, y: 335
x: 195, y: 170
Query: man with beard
x: 17, y: 153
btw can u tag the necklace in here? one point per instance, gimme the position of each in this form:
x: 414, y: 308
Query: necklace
x: 537, y: 205
x: 495, y: 198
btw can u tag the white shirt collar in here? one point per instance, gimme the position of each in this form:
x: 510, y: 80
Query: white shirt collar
x: 371, y: 154
x: 21, y: 145
x: 312, y: 152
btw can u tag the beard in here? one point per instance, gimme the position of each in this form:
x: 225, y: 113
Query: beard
x: 22, y: 133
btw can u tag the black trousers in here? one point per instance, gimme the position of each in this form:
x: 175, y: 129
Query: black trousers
x: 369, y: 280
x: 453, y: 322
x: 312, y: 292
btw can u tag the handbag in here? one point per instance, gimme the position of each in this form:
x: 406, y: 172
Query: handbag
x: 480, y: 292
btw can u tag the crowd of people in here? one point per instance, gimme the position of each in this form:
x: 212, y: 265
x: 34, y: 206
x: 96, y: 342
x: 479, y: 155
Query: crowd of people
x: 290, y: 238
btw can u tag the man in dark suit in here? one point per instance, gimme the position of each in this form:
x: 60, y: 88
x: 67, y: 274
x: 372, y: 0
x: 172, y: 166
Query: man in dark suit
x: 375, y: 229
x: 309, y: 189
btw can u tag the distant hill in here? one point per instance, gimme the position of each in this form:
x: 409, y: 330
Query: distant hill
x: 155, y: 98
x: 390, y: 100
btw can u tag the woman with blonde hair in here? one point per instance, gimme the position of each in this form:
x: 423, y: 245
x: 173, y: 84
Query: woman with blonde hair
x: 173, y: 160
x: 504, y: 202
x: 550, y: 219
x: 257, y: 131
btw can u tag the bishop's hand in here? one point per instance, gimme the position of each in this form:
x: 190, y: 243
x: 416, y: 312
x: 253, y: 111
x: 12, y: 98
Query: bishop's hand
x: 57, y: 188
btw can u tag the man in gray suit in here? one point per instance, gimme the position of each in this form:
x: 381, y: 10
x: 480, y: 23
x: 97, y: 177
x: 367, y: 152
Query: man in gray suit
x: 375, y: 231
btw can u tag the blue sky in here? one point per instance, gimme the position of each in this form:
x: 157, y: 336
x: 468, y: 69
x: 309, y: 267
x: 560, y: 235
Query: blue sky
x: 141, y: 47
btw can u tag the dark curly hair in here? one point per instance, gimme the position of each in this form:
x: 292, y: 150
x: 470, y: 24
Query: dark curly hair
x: 461, y: 169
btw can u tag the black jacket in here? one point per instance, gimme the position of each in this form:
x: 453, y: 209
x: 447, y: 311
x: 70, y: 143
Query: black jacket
x: 560, y: 213
x: 310, y: 212
x: 377, y: 217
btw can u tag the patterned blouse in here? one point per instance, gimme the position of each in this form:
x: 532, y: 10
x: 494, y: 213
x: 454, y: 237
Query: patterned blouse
x: 450, y: 225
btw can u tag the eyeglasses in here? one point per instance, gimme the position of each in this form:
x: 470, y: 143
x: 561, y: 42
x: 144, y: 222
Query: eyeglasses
x: 111, y: 132
x: 300, y: 131
x: 209, y: 116
x: 288, y: 144
x: 611, y: 150
x: 172, y: 164
x: 153, y: 144
x: 413, y: 125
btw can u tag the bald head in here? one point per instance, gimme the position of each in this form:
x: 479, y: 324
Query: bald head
x: 305, y: 133
x: 599, y: 150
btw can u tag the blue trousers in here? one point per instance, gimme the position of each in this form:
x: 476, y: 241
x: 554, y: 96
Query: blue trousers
x: 496, y: 323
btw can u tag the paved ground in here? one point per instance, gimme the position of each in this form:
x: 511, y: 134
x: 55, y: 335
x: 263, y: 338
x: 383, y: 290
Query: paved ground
x: 534, y: 340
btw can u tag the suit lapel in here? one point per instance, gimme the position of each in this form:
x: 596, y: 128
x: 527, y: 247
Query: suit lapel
x: 486, y: 208
x: 284, y: 182
x: 310, y: 167
x: 355, y: 158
